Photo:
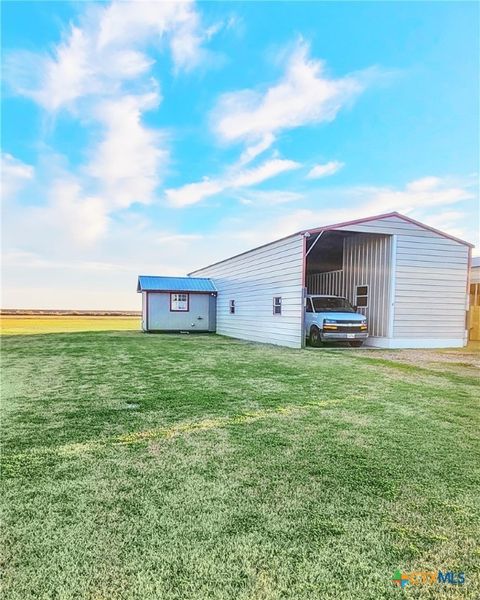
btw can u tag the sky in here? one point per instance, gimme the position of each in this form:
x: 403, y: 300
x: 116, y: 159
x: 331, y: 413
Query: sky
x: 155, y: 138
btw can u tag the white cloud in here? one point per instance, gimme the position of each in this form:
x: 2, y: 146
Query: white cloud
x: 100, y: 71
x: 137, y: 22
x: 130, y: 159
x: 417, y: 195
x: 105, y: 50
x: 14, y: 175
x: 84, y: 218
x: 193, y: 193
x: 304, y: 95
x: 325, y: 170
x: 268, y: 197
x: 251, y: 152
x: 125, y: 167
x: 267, y: 170
x: 78, y: 278
x: 416, y: 199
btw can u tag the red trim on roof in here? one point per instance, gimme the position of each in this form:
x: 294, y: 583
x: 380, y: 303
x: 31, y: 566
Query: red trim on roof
x: 386, y: 216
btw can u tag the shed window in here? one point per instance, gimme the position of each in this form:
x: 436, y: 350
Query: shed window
x: 277, y: 305
x: 362, y: 296
x: 179, y: 302
x: 232, y: 307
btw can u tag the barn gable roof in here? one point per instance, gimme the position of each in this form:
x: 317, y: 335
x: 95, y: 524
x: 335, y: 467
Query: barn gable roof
x: 313, y: 230
x: 150, y: 283
x: 386, y: 216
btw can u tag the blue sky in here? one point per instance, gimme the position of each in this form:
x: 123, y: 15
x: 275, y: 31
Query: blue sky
x: 153, y: 138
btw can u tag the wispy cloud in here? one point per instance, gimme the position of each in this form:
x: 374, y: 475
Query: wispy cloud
x: 268, y: 197
x: 101, y: 72
x: 305, y: 95
x: 132, y: 246
x: 193, y: 193
x: 106, y: 50
x: 329, y: 168
x: 73, y: 213
x: 129, y: 161
x: 420, y: 194
x: 446, y: 196
x: 14, y: 175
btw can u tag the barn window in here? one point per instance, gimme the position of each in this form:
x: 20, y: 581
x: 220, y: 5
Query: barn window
x: 232, y: 307
x: 277, y: 305
x: 362, y: 296
x: 179, y: 302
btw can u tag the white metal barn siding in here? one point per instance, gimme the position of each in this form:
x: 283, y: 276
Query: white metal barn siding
x: 366, y: 261
x: 429, y: 278
x: 328, y: 282
x: 252, y: 279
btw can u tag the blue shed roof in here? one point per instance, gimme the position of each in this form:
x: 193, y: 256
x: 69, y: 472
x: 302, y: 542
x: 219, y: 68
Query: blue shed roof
x: 147, y: 283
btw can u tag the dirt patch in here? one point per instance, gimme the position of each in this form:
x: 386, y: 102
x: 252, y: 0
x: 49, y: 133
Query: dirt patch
x: 464, y: 361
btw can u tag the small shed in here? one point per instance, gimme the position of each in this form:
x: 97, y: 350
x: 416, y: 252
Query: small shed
x: 178, y: 303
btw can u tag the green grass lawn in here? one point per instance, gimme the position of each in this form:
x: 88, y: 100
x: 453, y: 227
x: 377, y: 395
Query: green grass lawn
x: 197, y: 467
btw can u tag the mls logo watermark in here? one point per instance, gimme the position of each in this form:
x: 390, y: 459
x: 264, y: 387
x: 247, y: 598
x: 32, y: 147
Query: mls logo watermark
x: 402, y: 579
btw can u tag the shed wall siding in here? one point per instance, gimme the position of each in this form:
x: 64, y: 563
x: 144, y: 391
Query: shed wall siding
x: 430, y: 281
x: 161, y: 318
x: 252, y: 280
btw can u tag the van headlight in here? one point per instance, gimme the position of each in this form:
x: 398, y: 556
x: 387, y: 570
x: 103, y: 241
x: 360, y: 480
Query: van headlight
x: 330, y: 321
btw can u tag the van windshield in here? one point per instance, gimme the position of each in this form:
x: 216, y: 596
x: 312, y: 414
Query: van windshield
x: 332, y: 304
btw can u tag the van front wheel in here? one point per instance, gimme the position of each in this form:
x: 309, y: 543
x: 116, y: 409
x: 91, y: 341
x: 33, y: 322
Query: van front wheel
x: 315, y: 340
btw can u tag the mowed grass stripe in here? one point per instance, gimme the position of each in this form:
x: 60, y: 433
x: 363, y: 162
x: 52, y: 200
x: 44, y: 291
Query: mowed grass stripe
x: 10, y: 462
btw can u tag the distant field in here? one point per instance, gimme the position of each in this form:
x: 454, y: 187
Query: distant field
x: 35, y: 324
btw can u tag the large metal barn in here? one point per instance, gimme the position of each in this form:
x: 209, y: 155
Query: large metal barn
x: 408, y: 279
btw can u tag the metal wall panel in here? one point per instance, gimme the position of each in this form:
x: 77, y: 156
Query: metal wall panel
x: 366, y: 261
x: 253, y: 279
x: 430, y: 269
x: 329, y: 282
